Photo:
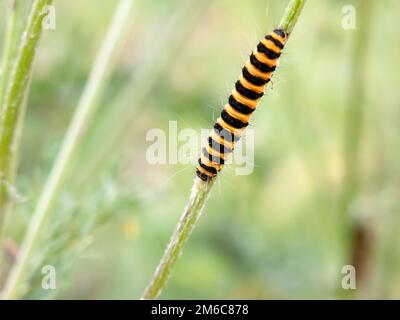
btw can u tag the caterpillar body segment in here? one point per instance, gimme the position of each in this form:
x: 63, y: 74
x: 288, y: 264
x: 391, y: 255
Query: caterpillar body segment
x: 242, y: 102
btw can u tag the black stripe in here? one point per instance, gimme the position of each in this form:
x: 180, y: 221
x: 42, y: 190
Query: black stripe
x: 218, y: 147
x: 236, y: 123
x: 253, y: 79
x: 239, y: 107
x: 211, y: 158
x: 203, y: 176
x: 225, y: 134
x: 280, y: 32
x: 211, y: 170
x: 276, y: 42
x: 250, y: 94
x: 268, y: 52
x: 261, y: 66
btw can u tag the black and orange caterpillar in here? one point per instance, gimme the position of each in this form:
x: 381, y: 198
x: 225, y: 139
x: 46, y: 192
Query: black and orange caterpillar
x: 235, y: 116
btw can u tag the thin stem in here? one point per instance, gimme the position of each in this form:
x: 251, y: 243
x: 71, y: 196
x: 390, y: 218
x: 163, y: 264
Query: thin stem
x: 291, y: 15
x: 13, y: 92
x: 6, y: 65
x: 87, y: 105
x: 7, y: 58
x: 353, y: 134
x: 353, y: 122
x: 198, y: 198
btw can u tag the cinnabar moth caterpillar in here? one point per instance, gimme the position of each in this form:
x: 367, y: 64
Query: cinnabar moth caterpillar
x: 235, y: 116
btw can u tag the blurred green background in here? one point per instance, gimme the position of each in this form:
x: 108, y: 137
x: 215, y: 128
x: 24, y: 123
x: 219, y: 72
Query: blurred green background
x: 325, y: 189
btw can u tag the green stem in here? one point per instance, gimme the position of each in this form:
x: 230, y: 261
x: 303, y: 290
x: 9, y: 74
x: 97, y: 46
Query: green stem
x: 353, y: 122
x: 8, y: 58
x: 14, y: 89
x: 87, y: 105
x: 191, y: 214
x: 353, y: 131
x: 291, y: 15
x: 6, y: 65
x: 198, y: 198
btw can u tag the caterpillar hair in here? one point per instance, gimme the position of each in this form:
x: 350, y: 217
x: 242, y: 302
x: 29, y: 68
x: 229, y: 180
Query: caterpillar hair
x: 235, y: 116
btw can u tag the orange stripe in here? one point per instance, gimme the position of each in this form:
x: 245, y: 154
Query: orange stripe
x: 248, y: 102
x: 237, y: 115
x: 250, y: 86
x: 257, y: 73
x: 270, y: 45
x: 215, y: 153
x: 223, y: 124
x: 278, y: 37
x: 220, y: 140
x: 264, y: 59
x: 200, y: 168
x: 209, y: 163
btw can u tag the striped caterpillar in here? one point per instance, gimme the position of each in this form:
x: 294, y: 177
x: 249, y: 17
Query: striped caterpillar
x: 235, y: 116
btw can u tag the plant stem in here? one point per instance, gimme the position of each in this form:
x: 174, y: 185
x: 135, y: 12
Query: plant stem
x: 15, y: 82
x: 353, y: 132
x: 7, y: 58
x: 291, y: 15
x: 87, y: 105
x: 192, y: 212
x: 353, y: 122
x: 6, y: 65
x: 198, y: 198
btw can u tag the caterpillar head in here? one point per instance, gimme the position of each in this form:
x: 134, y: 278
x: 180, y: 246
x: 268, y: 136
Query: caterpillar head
x: 281, y: 33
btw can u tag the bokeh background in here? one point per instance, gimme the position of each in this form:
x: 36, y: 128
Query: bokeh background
x: 326, y: 185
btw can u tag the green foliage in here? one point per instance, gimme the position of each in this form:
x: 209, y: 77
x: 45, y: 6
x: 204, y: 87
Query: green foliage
x: 273, y: 234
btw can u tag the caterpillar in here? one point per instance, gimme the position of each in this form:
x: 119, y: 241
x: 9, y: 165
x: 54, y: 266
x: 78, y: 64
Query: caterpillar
x: 244, y: 99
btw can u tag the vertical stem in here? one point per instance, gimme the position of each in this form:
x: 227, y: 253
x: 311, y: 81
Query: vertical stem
x: 191, y: 214
x: 87, y: 105
x: 352, y: 138
x: 291, y: 15
x: 198, y: 197
x: 15, y: 82
x: 6, y: 65
x: 13, y: 191
x: 353, y: 125
x: 7, y: 58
